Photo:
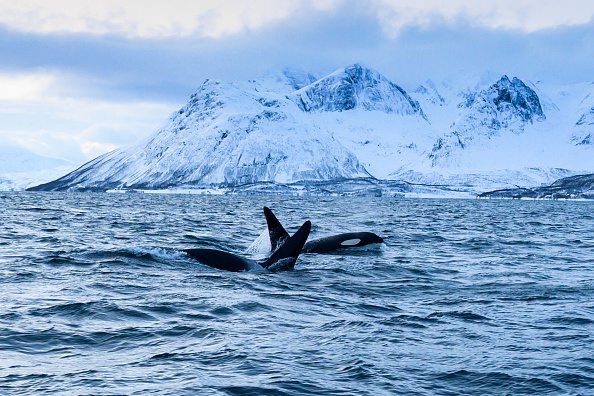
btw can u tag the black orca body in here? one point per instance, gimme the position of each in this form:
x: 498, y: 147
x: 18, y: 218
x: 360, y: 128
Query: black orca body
x: 223, y: 260
x: 341, y: 241
x: 283, y: 259
x: 278, y: 234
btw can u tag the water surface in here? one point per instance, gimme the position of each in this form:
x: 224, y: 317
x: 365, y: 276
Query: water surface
x: 466, y: 297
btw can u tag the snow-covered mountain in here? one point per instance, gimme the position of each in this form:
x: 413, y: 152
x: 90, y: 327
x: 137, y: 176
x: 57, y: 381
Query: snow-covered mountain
x: 352, y: 88
x: 289, y: 127
x: 502, y: 132
x: 505, y: 107
x: 20, y: 168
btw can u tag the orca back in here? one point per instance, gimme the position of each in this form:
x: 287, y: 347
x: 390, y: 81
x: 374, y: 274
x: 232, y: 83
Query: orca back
x: 285, y: 256
x: 277, y: 233
x: 282, y: 259
x: 341, y: 241
x: 220, y: 259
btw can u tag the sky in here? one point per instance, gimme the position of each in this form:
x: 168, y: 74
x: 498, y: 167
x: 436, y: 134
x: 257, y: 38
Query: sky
x: 80, y: 78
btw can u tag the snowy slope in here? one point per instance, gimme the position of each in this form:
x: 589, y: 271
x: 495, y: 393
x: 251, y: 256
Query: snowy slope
x: 511, y: 132
x: 228, y: 134
x: 288, y: 126
x: 507, y: 106
x: 583, y: 129
x: 20, y: 168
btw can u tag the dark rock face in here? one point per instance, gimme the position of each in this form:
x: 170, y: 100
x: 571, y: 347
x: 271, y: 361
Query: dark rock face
x: 586, y: 119
x: 505, y: 103
x: 586, y: 140
x: 580, y: 186
x: 356, y: 87
x: 515, y: 97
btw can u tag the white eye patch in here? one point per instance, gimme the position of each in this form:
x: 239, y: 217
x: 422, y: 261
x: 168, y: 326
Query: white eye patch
x: 350, y: 242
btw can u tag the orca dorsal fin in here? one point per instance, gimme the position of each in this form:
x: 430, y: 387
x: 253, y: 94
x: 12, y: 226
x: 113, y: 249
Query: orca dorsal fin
x: 285, y: 256
x: 276, y: 231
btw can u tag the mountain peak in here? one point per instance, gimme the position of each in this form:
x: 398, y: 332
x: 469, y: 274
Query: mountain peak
x: 516, y: 95
x: 352, y: 87
x: 356, y: 71
x: 506, y: 105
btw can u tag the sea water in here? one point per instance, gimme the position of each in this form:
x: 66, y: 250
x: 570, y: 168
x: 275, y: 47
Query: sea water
x: 468, y: 297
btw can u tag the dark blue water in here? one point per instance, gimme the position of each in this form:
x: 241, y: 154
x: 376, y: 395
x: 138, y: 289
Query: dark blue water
x: 466, y: 297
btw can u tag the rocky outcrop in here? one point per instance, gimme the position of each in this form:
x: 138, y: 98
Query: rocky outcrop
x: 355, y: 87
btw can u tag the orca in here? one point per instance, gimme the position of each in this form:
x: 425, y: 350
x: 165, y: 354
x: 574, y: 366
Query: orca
x: 283, y: 259
x: 278, y: 235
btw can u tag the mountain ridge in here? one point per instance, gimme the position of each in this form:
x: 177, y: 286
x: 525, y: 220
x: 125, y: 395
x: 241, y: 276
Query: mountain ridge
x: 354, y: 123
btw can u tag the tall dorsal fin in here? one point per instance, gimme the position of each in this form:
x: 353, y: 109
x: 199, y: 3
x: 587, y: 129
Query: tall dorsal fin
x: 285, y: 256
x: 276, y: 231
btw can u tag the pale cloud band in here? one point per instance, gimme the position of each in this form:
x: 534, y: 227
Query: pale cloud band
x: 80, y: 78
x: 523, y: 15
x: 24, y: 86
x: 151, y: 18
x: 182, y: 18
x: 74, y: 129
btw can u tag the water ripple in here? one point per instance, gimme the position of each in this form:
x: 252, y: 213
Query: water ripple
x: 464, y: 297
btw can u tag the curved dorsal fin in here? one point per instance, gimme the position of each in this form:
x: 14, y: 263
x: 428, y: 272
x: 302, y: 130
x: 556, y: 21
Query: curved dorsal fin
x: 276, y: 231
x: 285, y: 256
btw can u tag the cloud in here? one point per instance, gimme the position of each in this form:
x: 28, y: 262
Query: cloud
x: 114, y: 67
x: 523, y: 15
x: 77, y: 129
x: 142, y: 18
x: 216, y: 19
x: 95, y: 81
x: 23, y: 86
